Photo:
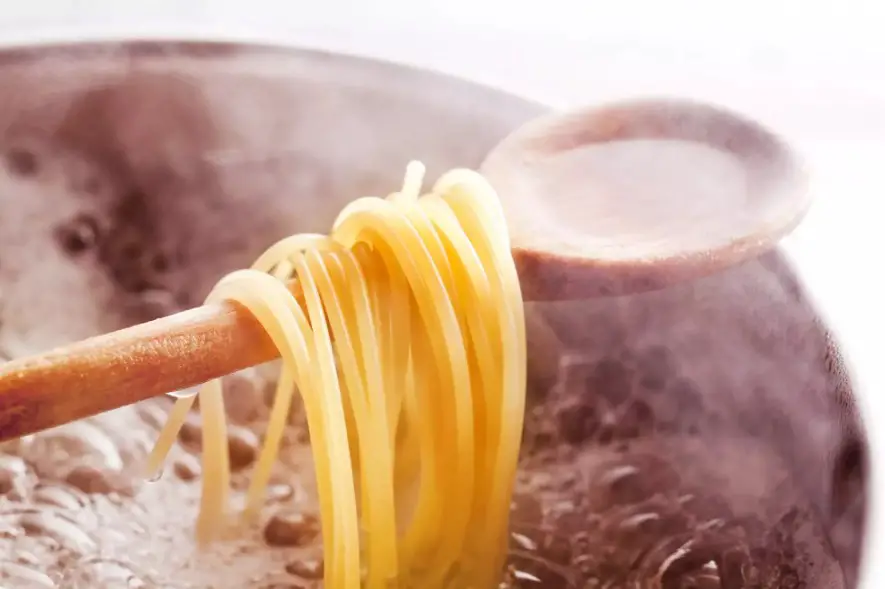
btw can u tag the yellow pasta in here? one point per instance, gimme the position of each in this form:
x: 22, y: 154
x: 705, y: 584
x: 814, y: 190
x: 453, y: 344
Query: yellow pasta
x: 408, y: 349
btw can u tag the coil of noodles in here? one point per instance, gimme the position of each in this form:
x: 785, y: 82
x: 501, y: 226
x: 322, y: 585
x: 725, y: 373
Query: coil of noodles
x: 409, y: 354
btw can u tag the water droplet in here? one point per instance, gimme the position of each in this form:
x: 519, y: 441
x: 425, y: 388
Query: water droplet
x: 184, y: 393
x: 156, y: 475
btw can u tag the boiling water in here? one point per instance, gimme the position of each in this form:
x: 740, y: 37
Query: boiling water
x: 661, y: 445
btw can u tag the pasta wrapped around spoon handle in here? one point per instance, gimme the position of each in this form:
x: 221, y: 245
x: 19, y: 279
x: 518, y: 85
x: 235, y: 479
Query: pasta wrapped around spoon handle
x: 123, y: 367
x: 197, y: 345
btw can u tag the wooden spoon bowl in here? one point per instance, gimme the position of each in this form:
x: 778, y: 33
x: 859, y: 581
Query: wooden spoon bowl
x: 638, y: 195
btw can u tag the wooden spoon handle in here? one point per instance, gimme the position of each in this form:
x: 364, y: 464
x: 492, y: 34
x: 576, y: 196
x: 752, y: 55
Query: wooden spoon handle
x: 120, y: 368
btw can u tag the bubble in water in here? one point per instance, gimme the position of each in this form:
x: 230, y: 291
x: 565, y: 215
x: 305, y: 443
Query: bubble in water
x: 62, y: 497
x: 54, y: 450
x: 25, y: 576
x: 64, y: 531
x: 105, y: 572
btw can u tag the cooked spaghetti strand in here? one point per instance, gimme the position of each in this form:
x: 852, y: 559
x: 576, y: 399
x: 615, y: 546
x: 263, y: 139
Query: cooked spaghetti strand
x: 404, y: 336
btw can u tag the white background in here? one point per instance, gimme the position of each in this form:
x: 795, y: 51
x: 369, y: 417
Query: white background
x: 814, y: 70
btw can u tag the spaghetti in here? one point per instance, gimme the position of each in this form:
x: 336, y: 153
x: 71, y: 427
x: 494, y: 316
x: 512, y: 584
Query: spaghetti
x: 408, y: 349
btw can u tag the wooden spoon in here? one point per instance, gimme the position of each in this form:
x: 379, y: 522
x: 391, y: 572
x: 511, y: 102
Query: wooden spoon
x: 612, y: 200
x: 638, y: 195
